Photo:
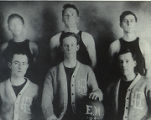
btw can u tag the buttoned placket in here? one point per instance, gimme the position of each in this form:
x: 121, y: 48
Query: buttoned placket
x: 127, y: 99
x: 73, y: 87
x: 125, y: 117
x: 16, y: 99
x: 73, y: 92
x: 16, y: 107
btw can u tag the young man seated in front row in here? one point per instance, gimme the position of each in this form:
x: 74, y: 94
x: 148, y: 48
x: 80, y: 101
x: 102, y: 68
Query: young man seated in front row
x: 131, y: 95
x: 18, y: 95
x: 68, y: 83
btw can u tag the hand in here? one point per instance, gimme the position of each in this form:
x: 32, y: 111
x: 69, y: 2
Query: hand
x: 96, y: 95
x: 53, y: 117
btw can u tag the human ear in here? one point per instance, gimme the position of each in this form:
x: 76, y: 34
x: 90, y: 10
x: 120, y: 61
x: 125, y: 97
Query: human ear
x: 9, y: 65
x: 120, y: 24
x: 8, y: 26
x: 27, y: 65
x: 135, y: 63
x: 78, y: 47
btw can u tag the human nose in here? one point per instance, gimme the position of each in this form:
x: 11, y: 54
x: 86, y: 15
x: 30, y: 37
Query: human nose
x: 68, y: 47
x: 128, y: 22
x: 124, y: 64
x: 69, y: 16
x: 19, y: 66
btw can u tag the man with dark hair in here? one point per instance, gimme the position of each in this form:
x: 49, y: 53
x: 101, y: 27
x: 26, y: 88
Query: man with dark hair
x: 19, y: 41
x: 131, y: 95
x: 125, y: 13
x: 69, y: 6
x: 18, y: 95
x: 13, y: 16
x: 128, y: 22
x: 87, y: 51
x: 68, y: 83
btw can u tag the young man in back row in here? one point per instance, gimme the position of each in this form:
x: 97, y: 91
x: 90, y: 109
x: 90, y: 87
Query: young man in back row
x: 87, y: 50
x: 130, y: 40
x: 18, y: 95
x: 68, y: 83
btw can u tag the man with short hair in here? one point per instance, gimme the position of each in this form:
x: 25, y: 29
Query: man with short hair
x: 18, y: 95
x: 128, y: 23
x: 87, y: 51
x: 131, y: 95
x: 18, y: 42
x: 68, y: 83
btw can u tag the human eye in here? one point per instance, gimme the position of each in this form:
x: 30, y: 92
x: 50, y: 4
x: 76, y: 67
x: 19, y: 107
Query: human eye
x: 120, y: 61
x: 125, y: 20
x: 132, y: 20
x: 127, y: 61
x: 66, y: 15
x: 72, y: 14
x: 24, y: 63
x: 16, y: 62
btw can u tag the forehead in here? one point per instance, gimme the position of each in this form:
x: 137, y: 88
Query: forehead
x: 20, y: 57
x: 129, y: 16
x: 70, y: 10
x: 15, y: 19
x: 69, y: 39
x: 124, y: 56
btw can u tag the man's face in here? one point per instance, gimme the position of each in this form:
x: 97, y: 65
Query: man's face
x: 16, y: 26
x: 70, y: 46
x: 127, y: 63
x: 19, y: 65
x: 128, y: 24
x: 70, y: 17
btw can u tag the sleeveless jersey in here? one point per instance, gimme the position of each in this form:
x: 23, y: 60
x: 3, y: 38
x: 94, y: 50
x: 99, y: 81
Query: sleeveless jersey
x: 82, y: 54
x: 134, y: 47
x: 18, y: 46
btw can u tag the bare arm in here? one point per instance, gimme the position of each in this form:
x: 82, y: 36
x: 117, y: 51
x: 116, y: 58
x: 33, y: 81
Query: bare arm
x: 146, y: 51
x: 113, y: 49
x: 34, y: 50
x: 54, y: 42
x: 3, y: 47
x: 90, y: 44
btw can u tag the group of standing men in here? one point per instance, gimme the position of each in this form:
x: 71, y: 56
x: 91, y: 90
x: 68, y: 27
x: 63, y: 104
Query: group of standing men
x: 72, y: 78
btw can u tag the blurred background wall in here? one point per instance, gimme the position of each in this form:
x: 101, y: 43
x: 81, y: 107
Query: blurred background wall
x: 101, y: 19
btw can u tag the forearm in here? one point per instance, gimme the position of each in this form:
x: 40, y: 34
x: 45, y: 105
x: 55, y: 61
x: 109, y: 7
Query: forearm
x: 52, y: 117
x: 93, y: 61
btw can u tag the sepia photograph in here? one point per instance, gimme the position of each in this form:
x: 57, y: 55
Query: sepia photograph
x: 75, y: 60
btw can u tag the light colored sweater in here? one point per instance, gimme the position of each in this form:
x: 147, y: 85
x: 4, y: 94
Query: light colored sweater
x: 14, y: 107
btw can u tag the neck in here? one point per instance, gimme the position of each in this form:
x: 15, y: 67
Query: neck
x: 129, y: 36
x: 18, y: 38
x: 70, y: 63
x: 17, y: 80
x: 130, y: 77
x: 72, y: 29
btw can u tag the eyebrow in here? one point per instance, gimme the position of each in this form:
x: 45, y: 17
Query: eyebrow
x: 19, y: 61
